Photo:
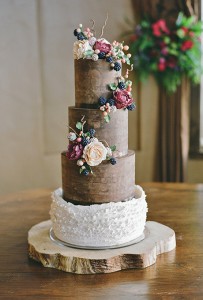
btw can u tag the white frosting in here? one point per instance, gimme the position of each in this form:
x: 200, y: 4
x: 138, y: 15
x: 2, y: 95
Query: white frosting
x: 106, y: 224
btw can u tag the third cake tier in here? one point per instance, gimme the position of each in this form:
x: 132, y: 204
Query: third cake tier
x: 107, y: 183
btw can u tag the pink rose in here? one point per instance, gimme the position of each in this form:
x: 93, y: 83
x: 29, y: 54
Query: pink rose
x: 75, y: 151
x: 102, y: 45
x: 122, y: 99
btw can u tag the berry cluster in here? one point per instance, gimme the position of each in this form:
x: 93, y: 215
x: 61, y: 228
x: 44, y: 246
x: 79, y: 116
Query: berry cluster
x: 82, y: 35
x: 106, y: 105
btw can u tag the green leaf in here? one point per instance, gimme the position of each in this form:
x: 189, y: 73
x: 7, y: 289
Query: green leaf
x: 88, y: 53
x: 113, y: 148
x: 113, y: 86
x: 179, y: 19
x: 107, y: 118
x: 79, y: 125
x: 180, y: 32
x: 128, y: 82
x: 81, y: 170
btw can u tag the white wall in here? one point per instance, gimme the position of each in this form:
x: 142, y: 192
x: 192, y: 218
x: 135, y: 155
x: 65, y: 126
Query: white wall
x: 37, y: 86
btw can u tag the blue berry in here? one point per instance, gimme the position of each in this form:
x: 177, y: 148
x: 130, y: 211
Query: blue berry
x: 109, y: 59
x: 81, y: 37
x: 92, y: 132
x: 102, y: 101
x: 111, y: 102
x: 102, y: 55
x: 121, y: 85
x: 85, y: 172
x: 75, y: 32
x: 84, y: 142
x: 113, y: 161
x: 117, y: 66
x: 131, y: 106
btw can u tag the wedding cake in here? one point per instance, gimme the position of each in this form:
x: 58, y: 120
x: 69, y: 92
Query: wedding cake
x: 99, y: 204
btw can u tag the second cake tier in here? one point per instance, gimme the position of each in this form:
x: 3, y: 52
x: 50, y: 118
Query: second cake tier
x: 113, y: 133
x: 108, y: 183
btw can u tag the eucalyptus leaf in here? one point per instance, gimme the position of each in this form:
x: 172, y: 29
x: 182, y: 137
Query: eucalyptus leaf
x: 128, y: 82
x: 107, y: 118
x: 79, y: 125
x: 113, y: 148
x: 113, y: 86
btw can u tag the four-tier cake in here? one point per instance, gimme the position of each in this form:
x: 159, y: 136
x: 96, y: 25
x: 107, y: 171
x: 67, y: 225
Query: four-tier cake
x: 99, y: 204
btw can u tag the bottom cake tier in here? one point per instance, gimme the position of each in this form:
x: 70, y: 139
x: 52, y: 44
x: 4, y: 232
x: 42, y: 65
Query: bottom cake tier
x: 100, y: 225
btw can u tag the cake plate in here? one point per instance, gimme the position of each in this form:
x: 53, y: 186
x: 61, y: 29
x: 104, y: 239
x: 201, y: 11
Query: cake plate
x: 157, y: 239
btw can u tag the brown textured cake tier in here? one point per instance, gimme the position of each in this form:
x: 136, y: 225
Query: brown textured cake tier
x: 108, y: 183
x: 114, y: 133
x: 91, y: 81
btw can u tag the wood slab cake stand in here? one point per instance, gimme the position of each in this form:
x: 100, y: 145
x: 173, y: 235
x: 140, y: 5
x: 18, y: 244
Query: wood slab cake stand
x: 158, y: 239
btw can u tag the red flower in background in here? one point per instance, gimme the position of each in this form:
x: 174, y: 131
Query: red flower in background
x: 185, y: 29
x: 162, y: 64
x: 186, y: 45
x: 160, y: 27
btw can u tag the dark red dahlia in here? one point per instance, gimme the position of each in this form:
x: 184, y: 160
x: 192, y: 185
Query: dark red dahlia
x: 75, y: 151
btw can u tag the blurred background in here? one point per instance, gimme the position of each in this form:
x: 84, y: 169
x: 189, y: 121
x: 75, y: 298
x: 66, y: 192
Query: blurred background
x: 37, y: 86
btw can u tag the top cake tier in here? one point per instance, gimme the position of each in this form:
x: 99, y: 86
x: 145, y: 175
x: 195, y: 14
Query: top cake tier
x: 91, y: 81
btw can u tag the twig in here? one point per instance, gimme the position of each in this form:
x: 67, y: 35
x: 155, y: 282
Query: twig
x: 102, y: 31
x: 93, y: 24
x: 73, y: 130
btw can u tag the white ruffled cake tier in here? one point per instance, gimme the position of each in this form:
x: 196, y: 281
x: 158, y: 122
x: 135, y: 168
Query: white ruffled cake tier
x: 99, y: 225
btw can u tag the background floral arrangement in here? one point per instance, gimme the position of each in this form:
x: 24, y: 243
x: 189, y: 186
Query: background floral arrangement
x: 167, y: 53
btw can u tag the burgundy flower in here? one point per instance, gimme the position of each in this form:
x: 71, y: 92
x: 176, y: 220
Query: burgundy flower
x: 159, y: 27
x: 172, y: 62
x: 122, y: 99
x: 186, y: 45
x: 102, y: 45
x: 75, y: 151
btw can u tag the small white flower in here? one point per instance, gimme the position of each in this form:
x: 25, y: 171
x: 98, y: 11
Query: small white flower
x: 109, y: 151
x: 79, y: 49
x: 71, y: 136
x: 95, y: 57
x: 92, y: 41
x: 80, y: 163
x: 113, y: 108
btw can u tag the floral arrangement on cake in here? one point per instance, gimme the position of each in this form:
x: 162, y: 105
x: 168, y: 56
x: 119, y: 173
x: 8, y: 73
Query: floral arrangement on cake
x: 87, y: 149
x: 88, y: 46
x: 167, y: 53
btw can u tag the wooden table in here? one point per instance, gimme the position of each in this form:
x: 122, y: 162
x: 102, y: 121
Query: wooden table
x: 176, y: 275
